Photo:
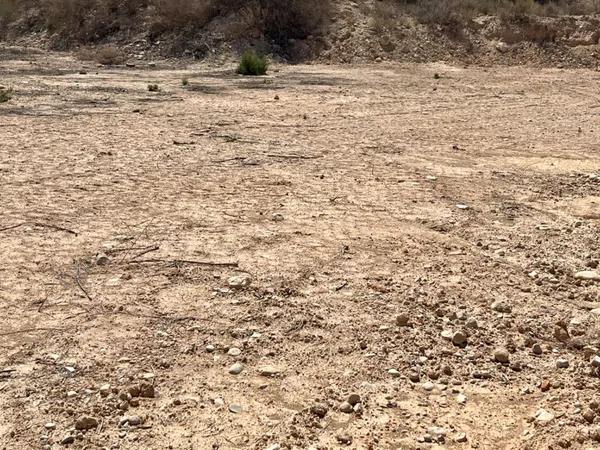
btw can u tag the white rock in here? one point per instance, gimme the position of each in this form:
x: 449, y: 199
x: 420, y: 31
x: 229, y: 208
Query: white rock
x: 393, y: 373
x: 428, y: 386
x: 105, y: 390
x: 102, y: 259
x: 236, y: 369
x: 543, y: 416
x: 239, y: 281
x: 447, y: 334
x: 234, y: 351
x: 269, y: 371
x: 591, y: 275
x: 562, y: 363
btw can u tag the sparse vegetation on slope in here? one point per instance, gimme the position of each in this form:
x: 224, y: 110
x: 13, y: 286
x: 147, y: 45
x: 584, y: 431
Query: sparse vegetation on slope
x: 303, y: 29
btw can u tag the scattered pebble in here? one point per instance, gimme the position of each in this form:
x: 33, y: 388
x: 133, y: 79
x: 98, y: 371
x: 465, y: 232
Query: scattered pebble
x: 501, y: 355
x: 269, y: 371
x: 235, y: 408
x: 345, y: 439
x: 146, y: 390
x: 346, y: 407
x: 131, y: 421
x: 353, y: 399
x: 562, y: 363
x: 239, y: 281
x: 236, y: 368
x: 102, y: 259
x: 459, y: 339
x: 67, y: 440
x: 394, y: 373
x: 461, y: 437
x: 501, y: 307
x: 402, y: 320
x: 428, y: 386
x: 319, y: 410
x: 234, y: 351
x: 104, y: 390
x: 588, y: 275
x: 86, y: 423
x: 543, y: 416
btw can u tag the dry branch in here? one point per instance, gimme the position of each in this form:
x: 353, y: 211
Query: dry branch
x: 185, y: 261
x: 39, y: 224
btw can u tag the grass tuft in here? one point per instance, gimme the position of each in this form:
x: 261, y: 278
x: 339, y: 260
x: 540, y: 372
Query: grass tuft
x: 5, y: 95
x: 252, y: 64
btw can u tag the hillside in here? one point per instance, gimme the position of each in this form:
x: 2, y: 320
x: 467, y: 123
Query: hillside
x: 482, y: 32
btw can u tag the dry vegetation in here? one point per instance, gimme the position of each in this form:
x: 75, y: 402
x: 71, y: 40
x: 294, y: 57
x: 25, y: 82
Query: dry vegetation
x: 463, y: 11
x: 91, y: 21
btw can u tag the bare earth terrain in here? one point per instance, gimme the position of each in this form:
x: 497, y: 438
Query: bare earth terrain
x: 406, y: 248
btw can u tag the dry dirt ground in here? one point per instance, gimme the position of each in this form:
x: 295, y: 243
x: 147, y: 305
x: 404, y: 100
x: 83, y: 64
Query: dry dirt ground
x: 382, y: 212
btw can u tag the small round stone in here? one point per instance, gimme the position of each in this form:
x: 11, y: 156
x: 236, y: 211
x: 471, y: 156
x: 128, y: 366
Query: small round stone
x: 428, y: 386
x: 235, y: 408
x: 402, y: 320
x: 346, y: 407
x: 501, y: 355
x: 393, y: 373
x: 236, y: 368
x: 459, y: 339
x: 353, y: 399
x: 319, y: 410
x: 562, y: 363
x: 234, y: 351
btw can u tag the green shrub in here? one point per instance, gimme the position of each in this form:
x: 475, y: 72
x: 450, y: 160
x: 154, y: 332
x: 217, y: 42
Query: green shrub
x: 252, y: 64
x: 5, y: 95
x: 185, y: 82
x: 153, y: 88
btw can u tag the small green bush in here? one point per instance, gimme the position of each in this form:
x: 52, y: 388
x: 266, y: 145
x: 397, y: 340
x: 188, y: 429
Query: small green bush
x: 153, y: 88
x: 5, y: 95
x: 253, y: 64
x: 185, y: 82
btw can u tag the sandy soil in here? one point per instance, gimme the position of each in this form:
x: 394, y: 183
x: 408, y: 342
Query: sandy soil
x: 380, y: 212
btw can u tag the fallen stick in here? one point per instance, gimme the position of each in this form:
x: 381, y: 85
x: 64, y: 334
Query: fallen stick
x: 237, y: 158
x: 81, y: 287
x: 29, y: 330
x: 184, y: 261
x: 147, y: 250
x: 39, y: 224
x: 274, y: 155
